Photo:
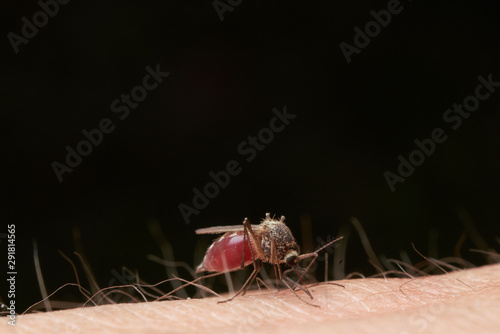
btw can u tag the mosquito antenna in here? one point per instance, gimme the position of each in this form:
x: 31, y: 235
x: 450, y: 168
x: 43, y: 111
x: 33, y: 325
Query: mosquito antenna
x: 305, y: 256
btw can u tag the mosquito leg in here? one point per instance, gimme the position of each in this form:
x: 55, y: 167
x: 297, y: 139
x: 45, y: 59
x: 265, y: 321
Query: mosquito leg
x: 275, y: 262
x: 254, y: 241
x: 276, y: 276
x: 256, y: 269
x: 315, y: 256
x: 302, y: 286
x: 305, y: 271
x: 295, y: 293
x: 255, y: 247
x: 285, y: 276
x: 248, y: 234
x: 247, y: 284
x: 258, y: 279
x: 245, y: 238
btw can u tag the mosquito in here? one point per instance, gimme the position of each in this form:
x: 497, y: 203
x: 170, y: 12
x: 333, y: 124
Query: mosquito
x: 270, y: 242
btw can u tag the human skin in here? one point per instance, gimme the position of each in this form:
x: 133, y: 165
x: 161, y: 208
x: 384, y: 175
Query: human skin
x: 466, y: 301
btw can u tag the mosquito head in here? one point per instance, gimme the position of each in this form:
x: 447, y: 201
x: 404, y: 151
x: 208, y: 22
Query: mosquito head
x: 292, y: 257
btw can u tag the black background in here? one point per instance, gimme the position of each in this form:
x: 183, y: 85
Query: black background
x: 353, y: 121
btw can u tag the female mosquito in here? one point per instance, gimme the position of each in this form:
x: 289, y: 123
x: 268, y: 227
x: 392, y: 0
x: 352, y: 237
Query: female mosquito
x: 271, y: 241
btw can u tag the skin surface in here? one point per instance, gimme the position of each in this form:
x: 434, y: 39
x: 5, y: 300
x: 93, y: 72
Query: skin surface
x: 465, y: 301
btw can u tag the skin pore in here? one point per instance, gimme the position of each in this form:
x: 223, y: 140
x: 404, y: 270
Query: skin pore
x: 463, y: 301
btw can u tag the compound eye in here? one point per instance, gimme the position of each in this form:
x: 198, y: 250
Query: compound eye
x: 291, y: 258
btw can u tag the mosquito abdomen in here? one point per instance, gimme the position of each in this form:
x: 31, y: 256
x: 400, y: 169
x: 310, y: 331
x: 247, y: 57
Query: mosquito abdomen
x: 225, y: 254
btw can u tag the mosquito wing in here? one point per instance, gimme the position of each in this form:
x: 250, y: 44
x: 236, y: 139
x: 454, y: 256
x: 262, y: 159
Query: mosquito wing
x: 225, y: 229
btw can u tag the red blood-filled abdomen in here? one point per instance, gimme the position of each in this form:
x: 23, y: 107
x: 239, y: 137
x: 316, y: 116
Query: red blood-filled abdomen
x: 225, y: 254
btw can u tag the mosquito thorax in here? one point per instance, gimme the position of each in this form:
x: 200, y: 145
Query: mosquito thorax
x: 277, y: 231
